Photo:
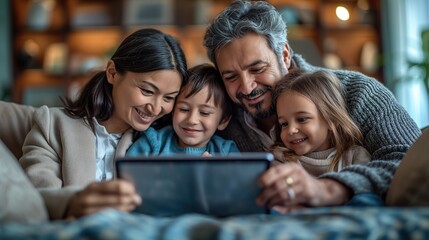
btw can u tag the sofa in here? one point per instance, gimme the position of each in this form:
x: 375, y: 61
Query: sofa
x: 27, y: 218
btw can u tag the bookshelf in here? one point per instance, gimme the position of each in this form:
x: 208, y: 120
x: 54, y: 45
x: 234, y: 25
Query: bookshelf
x: 56, y: 44
x: 353, y: 44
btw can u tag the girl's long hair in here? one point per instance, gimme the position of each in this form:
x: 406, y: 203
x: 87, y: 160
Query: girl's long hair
x: 326, y: 92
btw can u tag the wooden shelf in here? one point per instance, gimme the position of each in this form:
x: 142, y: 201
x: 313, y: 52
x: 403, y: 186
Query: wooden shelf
x: 316, y: 20
x: 87, y: 32
x: 79, y: 35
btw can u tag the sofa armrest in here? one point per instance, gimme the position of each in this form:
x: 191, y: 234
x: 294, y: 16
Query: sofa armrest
x: 20, y: 201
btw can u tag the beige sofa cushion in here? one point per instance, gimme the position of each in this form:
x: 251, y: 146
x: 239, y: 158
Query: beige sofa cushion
x: 15, y: 122
x: 410, y: 185
x: 20, y: 201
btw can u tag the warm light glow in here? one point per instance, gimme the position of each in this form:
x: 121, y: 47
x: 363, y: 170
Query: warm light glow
x: 363, y: 4
x: 342, y: 13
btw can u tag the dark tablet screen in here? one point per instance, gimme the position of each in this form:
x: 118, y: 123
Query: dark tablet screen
x: 217, y: 186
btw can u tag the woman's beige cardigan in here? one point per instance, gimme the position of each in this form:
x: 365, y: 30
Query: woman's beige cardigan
x: 59, y: 156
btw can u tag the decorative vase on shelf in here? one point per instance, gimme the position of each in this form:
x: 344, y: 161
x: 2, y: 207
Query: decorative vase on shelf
x: 39, y: 14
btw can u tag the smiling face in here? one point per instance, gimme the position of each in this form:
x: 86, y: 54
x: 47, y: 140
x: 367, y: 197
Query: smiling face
x: 303, y: 129
x: 141, y: 98
x: 250, y: 70
x: 195, y: 119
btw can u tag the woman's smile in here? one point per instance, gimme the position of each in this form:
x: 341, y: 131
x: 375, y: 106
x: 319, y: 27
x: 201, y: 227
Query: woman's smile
x: 145, y: 118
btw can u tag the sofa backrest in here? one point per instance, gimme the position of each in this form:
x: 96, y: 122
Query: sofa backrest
x: 410, y: 184
x: 15, y: 123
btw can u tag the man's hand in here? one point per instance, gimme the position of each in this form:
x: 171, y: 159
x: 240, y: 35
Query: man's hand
x: 289, y: 185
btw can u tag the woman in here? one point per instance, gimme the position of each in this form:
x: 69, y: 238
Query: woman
x: 75, y: 146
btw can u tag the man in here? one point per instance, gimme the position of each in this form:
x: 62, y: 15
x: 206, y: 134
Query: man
x: 248, y: 44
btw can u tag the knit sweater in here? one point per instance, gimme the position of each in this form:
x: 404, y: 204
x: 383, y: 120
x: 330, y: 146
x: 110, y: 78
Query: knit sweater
x: 387, y: 128
x: 164, y: 142
x: 317, y: 163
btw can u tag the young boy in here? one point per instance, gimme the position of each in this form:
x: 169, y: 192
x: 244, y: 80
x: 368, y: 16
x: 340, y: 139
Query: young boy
x: 202, y: 107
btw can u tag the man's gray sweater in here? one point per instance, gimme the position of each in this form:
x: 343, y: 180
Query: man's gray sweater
x: 387, y: 128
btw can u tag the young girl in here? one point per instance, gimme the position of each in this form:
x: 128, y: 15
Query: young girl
x: 316, y: 128
x: 202, y: 107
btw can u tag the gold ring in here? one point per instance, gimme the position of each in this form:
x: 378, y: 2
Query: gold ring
x: 289, y: 181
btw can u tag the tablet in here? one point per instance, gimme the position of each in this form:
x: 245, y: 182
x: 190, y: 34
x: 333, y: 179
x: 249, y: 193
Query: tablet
x: 219, y: 186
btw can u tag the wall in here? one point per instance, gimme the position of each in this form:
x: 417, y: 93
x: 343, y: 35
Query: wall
x: 5, y: 56
x: 403, y: 21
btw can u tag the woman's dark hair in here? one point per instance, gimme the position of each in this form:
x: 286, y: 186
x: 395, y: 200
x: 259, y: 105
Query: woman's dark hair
x: 206, y: 75
x: 145, y: 50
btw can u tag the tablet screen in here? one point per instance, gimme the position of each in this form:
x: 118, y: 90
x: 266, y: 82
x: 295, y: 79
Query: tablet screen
x: 217, y: 186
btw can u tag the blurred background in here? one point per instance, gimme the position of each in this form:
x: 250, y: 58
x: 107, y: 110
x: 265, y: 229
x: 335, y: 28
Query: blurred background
x: 50, y: 48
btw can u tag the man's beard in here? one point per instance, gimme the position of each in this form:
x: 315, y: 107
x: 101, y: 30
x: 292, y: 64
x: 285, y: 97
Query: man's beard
x: 260, y: 113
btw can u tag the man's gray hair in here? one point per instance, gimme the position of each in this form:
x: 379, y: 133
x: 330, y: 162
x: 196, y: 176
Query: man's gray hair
x: 242, y: 17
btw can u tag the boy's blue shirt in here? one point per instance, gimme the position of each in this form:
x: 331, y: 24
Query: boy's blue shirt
x: 164, y: 142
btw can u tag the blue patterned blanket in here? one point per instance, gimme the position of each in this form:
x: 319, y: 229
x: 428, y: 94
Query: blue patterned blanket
x: 322, y: 223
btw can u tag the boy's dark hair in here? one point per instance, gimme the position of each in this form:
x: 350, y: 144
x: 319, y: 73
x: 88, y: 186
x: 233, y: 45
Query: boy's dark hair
x: 203, y: 75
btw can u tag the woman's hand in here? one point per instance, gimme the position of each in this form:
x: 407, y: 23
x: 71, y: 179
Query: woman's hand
x: 288, y: 186
x: 118, y: 194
